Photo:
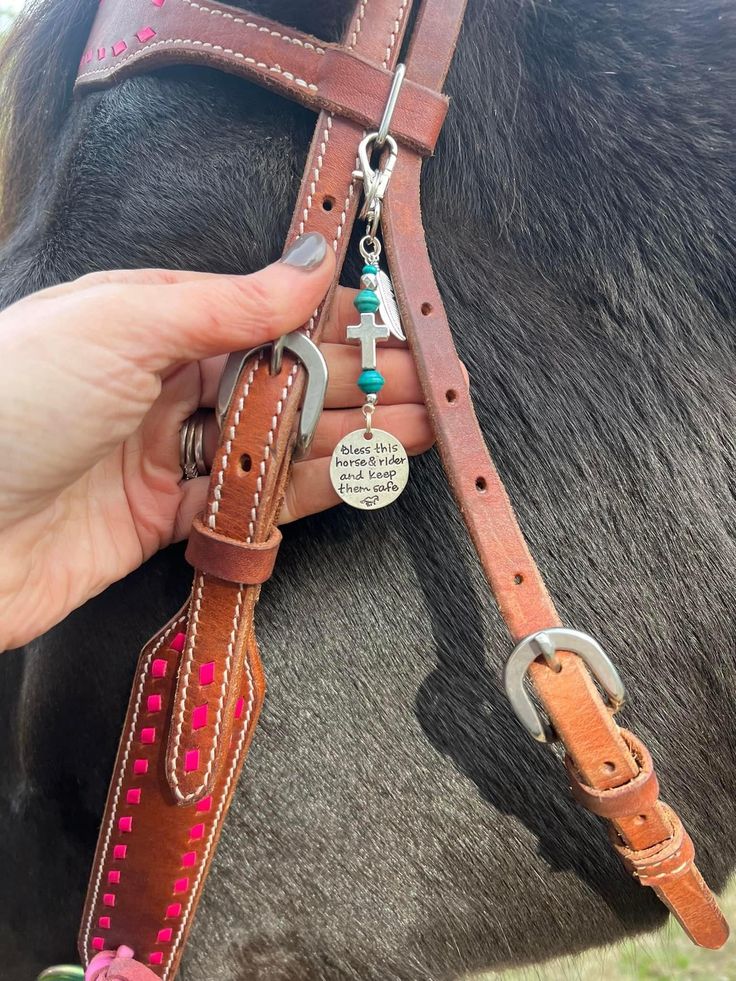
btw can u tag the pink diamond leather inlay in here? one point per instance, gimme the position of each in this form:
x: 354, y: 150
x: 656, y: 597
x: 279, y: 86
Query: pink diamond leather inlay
x: 153, y: 703
x: 239, y: 706
x: 87, y: 57
x: 204, y: 805
x: 158, y: 668
x: 173, y: 910
x: 113, y: 877
x: 164, y: 936
x: 140, y: 766
x: 207, y: 673
x: 133, y: 796
x: 108, y: 899
x: 104, y: 923
x: 100, y: 54
x: 148, y: 735
x: 196, y: 832
x: 188, y: 859
x: 199, y: 717
x: 119, y: 852
x: 125, y: 824
x: 181, y: 885
x: 158, y: 3
x: 177, y: 644
x: 145, y: 34
x: 119, y: 47
x: 98, y: 943
x: 191, y: 760
x: 156, y: 957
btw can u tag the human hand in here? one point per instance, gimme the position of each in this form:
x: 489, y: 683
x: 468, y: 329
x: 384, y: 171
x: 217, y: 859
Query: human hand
x: 97, y: 377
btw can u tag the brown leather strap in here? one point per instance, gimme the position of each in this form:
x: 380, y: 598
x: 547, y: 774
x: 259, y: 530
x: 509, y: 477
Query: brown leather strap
x: 596, y: 746
x: 235, y: 561
x: 203, y: 735
x: 199, y: 684
x: 130, y: 38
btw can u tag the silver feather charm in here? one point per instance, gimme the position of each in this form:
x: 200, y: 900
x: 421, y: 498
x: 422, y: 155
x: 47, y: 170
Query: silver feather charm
x: 389, y: 309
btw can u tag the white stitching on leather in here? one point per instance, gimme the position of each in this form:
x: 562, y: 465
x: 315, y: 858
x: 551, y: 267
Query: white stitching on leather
x: 121, y: 776
x: 358, y: 24
x: 254, y: 27
x: 277, y: 69
x: 217, y: 493
x: 186, y: 667
x: 394, y: 33
x: 215, y: 822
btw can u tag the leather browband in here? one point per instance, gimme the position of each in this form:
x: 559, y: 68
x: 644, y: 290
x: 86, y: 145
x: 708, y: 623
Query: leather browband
x: 129, y: 38
x: 199, y: 683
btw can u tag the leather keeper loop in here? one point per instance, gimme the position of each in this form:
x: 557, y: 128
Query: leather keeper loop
x: 250, y: 563
x: 634, y: 797
x: 667, y: 859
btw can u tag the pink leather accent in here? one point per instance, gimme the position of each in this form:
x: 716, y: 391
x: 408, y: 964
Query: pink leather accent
x: 191, y: 760
x: 101, y: 54
x: 165, y: 935
x: 133, y: 796
x: 98, y: 943
x: 125, y: 824
x: 188, y: 859
x: 199, y: 716
x: 140, y: 766
x: 119, y: 852
x: 173, y: 910
x: 196, y: 832
x: 153, y: 703
x: 207, y: 673
x: 145, y: 34
x: 108, y: 899
x: 104, y: 923
x: 87, y: 57
x: 156, y: 957
x: 177, y: 644
x: 158, y: 3
x: 113, y: 877
x: 119, y: 47
x: 181, y: 885
x: 239, y: 706
x: 158, y: 668
x: 148, y: 735
x: 204, y: 805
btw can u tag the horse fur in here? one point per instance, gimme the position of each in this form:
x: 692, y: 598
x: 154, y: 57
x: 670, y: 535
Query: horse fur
x: 393, y: 820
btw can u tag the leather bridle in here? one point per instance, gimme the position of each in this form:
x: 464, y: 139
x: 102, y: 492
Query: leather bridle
x: 199, y: 684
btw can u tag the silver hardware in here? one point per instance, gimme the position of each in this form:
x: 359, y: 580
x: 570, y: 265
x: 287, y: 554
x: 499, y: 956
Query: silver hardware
x: 546, y: 643
x: 389, y: 309
x: 368, y: 332
x: 375, y: 181
x: 393, y: 98
x: 313, y: 402
x: 368, y: 409
x: 191, y: 445
x: 369, y: 248
x: 369, y: 467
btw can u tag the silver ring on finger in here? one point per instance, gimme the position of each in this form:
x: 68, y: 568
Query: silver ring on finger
x: 191, y: 446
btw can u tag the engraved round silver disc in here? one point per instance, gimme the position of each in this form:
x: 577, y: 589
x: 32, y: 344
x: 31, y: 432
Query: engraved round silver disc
x: 369, y: 473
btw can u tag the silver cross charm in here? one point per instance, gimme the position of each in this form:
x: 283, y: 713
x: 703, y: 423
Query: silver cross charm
x: 368, y: 332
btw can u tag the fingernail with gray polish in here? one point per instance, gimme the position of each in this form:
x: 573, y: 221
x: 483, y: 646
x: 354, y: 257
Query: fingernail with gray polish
x: 307, y: 252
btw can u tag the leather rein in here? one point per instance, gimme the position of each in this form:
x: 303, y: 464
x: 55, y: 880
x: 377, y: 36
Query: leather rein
x: 199, y: 684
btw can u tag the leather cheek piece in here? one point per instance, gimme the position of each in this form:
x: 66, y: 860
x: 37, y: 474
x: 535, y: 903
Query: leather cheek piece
x: 668, y: 859
x: 634, y: 797
x: 250, y: 563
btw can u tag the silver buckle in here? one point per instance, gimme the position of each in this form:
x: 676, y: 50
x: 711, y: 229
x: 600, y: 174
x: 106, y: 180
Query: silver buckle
x: 314, y: 394
x: 546, y: 643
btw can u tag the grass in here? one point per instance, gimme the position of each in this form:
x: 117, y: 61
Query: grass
x: 664, y: 956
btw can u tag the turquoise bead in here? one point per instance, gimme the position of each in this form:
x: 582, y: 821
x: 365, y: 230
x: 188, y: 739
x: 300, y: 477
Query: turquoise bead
x: 371, y: 381
x: 370, y: 269
x: 367, y: 301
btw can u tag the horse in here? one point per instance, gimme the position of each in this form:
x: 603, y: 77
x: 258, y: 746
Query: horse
x: 394, y: 820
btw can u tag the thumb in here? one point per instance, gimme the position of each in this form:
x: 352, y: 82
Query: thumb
x: 198, y: 316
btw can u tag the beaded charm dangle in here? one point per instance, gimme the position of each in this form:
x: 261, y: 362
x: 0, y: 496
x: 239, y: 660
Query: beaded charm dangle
x: 369, y: 467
